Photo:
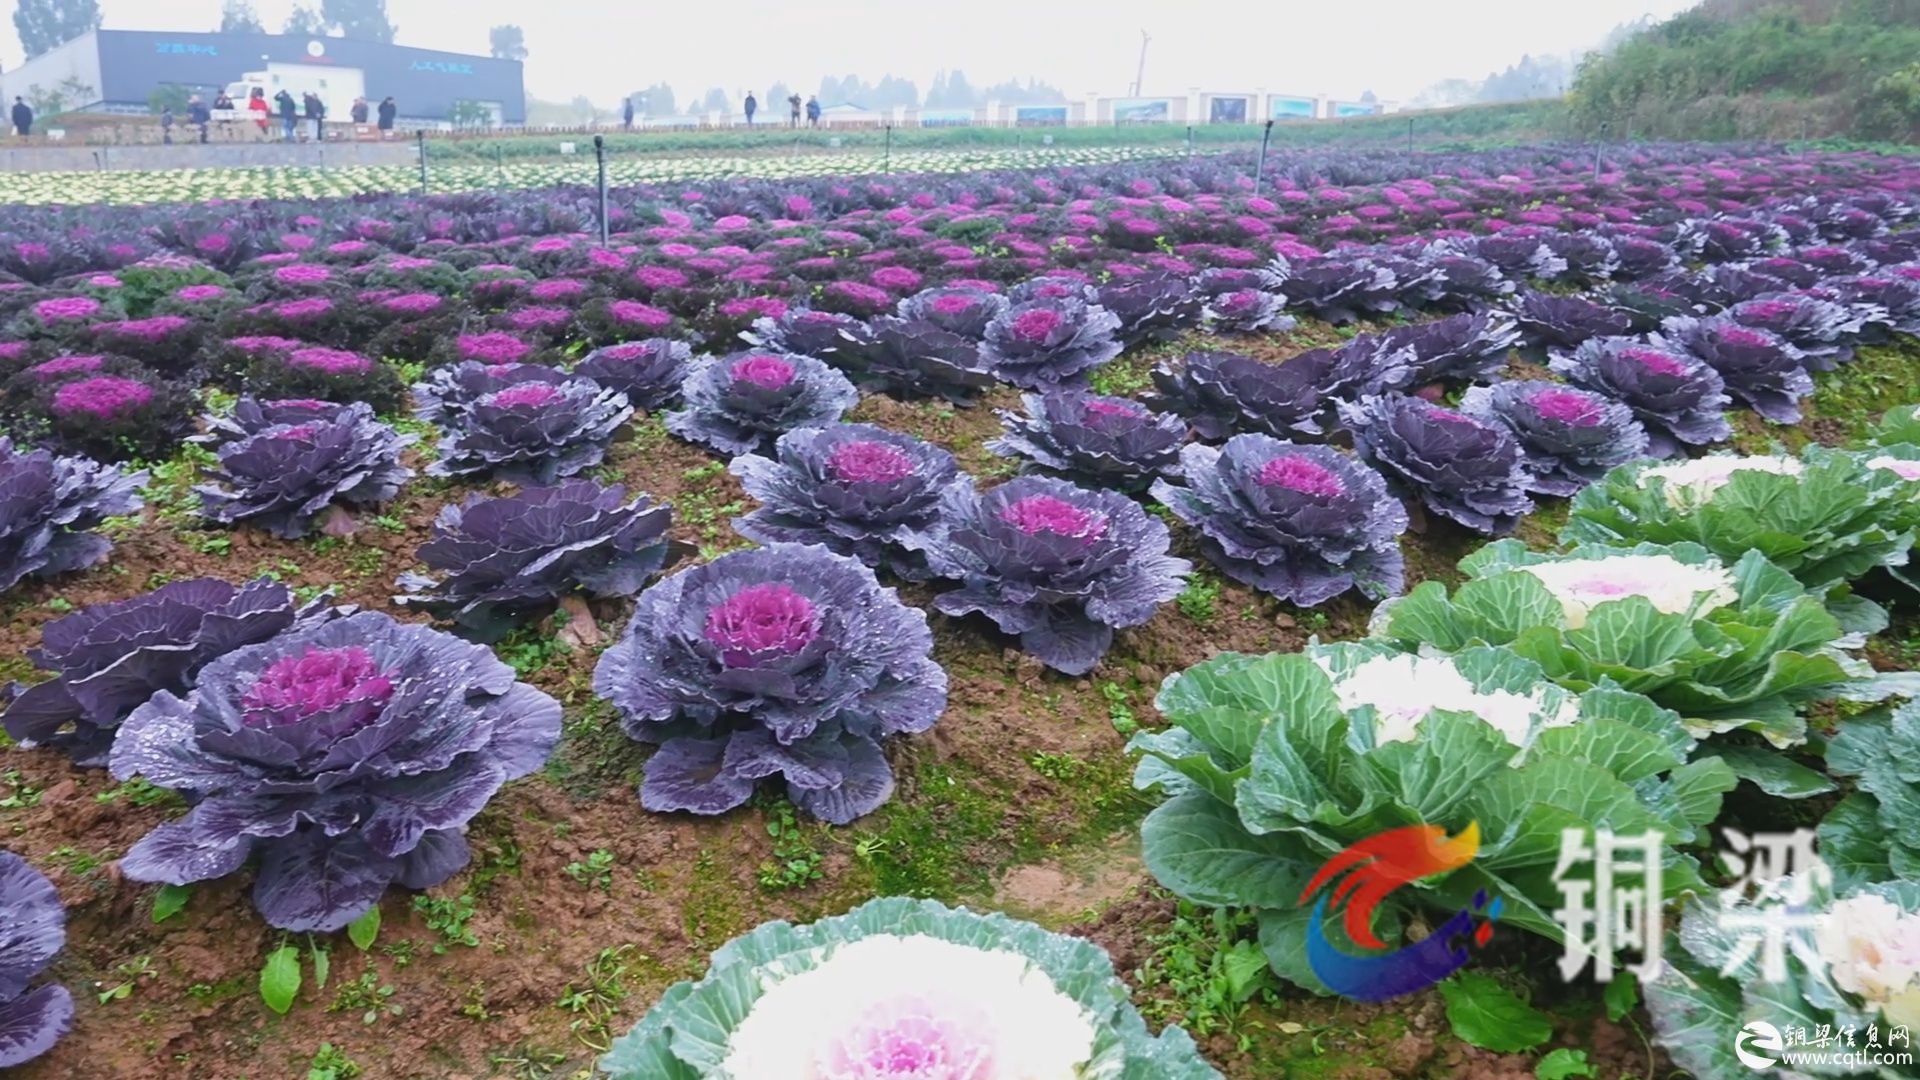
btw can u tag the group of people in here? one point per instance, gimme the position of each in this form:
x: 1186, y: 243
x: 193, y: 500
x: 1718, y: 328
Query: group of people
x: 752, y: 105
x: 314, y: 111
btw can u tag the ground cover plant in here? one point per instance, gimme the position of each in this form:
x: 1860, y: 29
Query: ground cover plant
x: 825, y: 538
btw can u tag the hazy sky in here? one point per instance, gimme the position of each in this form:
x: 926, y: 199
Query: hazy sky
x: 605, y: 48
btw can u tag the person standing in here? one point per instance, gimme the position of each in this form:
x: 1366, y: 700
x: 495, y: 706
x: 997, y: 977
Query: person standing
x: 753, y: 106
x: 359, y: 110
x: 257, y: 104
x: 626, y: 114
x: 813, y: 112
x: 166, y: 125
x: 289, y: 113
x: 315, y: 112
x: 22, y: 117
x: 198, y: 115
x: 793, y: 111
x: 387, y: 112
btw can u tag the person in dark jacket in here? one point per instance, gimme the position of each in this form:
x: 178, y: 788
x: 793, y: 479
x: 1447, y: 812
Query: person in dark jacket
x: 753, y: 106
x: 316, y: 112
x: 388, y: 110
x: 289, y: 113
x: 22, y: 117
x: 626, y: 115
x: 813, y: 111
x: 793, y: 111
x: 359, y: 110
x: 198, y: 115
x: 166, y: 125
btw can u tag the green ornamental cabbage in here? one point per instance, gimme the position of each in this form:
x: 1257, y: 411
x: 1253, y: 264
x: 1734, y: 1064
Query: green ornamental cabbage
x: 1726, y: 647
x: 1874, y: 833
x: 1273, y: 764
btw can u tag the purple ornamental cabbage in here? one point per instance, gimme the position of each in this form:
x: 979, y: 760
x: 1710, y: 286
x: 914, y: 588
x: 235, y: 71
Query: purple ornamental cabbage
x: 1569, y: 437
x: 33, y: 927
x: 1459, y: 348
x: 1091, y: 439
x: 824, y: 335
x: 649, y: 372
x: 787, y: 661
x: 1046, y: 343
x: 1338, y: 289
x: 911, y: 359
x: 1466, y: 469
x: 344, y: 757
x: 1059, y: 565
x: 49, y: 507
x: 1894, y: 301
x: 1223, y: 393
x: 534, y: 432
x: 1758, y: 367
x: 855, y: 489
x: 450, y: 393
x: 110, y: 658
x: 962, y: 311
x: 1057, y: 286
x: 1549, y: 322
x: 509, y: 560
x: 1302, y: 523
x: 1819, y: 328
x: 1678, y: 398
x: 740, y: 404
x: 1455, y: 279
x: 1584, y: 254
x: 1152, y: 307
x: 1521, y: 254
x: 284, y: 476
x: 1237, y: 301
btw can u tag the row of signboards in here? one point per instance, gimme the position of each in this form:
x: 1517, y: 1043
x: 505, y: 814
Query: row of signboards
x: 1213, y: 109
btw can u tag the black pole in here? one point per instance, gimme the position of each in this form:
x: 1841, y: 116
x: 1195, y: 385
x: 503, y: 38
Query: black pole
x: 887, y: 166
x: 500, y: 163
x: 1260, y: 167
x: 1409, y: 136
x: 1597, y: 148
x: 1189, y: 140
x: 420, y: 135
x: 600, y: 155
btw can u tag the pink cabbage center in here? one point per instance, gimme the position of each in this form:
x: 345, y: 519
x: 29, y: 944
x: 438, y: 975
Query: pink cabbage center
x: 534, y: 394
x: 1302, y: 475
x: 1567, y: 407
x: 869, y: 462
x: 911, y: 1040
x: 761, y: 619
x: 1034, y: 326
x: 347, y: 681
x: 1043, y: 513
x: 1657, y: 362
x: 765, y: 372
x: 101, y: 396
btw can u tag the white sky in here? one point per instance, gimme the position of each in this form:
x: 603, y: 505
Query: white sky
x: 606, y: 48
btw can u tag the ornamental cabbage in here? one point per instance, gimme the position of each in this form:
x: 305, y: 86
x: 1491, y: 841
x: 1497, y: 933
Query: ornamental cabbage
x: 1459, y: 348
x: 450, y: 393
x: 282, y: 476
x: 329, y: 374
x: 509, y: 560
x: 649, y: 372
x: 108, y: 659
x: 824, y: 335
x: 1237, y: 301
x: 899, y: 988
x: 343, y: 757
x: 740, y: 404
x: 1568, y: 437
x: 861, y: 491
x: 1858, y: 972
x: 909, y: 359
x: 1827, y: 517
x: 1058, y: 565
x: 1274, y: 763
x: 1678, y: 398
x: 1153, y: 307
x: 787, y: 661
x: 49, y: 507
x: 1467, y: 469
x: 1335, y: 290
x: 33, y: 927
x: 1819, y: 328
x: 1045, y: 343
x: 1740, y: 646
x: 1870, y: 835
x: 1221, y: 394
x: 1098, y: 441
x: 1758, y: 367
x: 534, y: 432
x: 1302, y: 523
x: 1547, y: 322
x: 962, y: 311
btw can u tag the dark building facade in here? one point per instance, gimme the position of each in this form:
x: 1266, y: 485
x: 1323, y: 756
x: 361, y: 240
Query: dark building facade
x: 426, y: 83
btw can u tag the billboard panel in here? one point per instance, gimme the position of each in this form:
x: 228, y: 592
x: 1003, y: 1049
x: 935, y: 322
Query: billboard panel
x: 1289, y: 108
x: 1227, y: 110
x: 1352, y: 108
x: 1040, y: 115
x: 1142, y: 110
x: 946, y: 117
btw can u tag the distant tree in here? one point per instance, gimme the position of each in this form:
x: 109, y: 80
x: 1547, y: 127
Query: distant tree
x: 1369, y: 99
x: 69, y: 91
x: 48, y: 24
x: 951, y: 90
x: 464, y: 113
x: 1032, y: 92
x: 1532, y: 77
x: 777, y: 95
x: 304, y: 22
x: 507, y: 42
x: 168, y: 95
x: 716, y: 101
x: 362, y: 20
x: 656, y: 100
x: 238, y: 17
x: 891, y: 92
x: 584, y: 110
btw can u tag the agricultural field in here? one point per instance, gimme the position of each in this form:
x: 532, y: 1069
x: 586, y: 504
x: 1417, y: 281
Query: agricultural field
x: 787, y: 640
x: 469, y: 174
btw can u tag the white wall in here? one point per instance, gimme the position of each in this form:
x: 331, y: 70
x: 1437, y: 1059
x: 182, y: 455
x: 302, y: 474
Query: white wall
x: 77, y: 59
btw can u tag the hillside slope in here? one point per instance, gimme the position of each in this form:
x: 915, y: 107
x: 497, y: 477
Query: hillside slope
x: 1766, y: 69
